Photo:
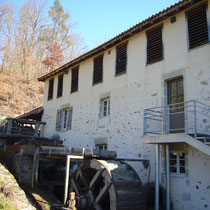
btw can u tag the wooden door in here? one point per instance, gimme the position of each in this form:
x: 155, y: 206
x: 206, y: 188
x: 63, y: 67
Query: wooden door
x: 176, y: 112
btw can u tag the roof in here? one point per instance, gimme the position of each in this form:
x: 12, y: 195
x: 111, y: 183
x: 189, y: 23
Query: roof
x: 154, y: 19
x: 34, y: 114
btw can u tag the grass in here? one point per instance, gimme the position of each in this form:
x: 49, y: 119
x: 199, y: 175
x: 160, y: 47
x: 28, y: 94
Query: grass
x: 6, y: 203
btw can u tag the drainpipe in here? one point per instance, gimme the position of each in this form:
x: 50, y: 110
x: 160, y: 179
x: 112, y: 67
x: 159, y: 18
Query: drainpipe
x: 157, y: 163
x: 167, y: 177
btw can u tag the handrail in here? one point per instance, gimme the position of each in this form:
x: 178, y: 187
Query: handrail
x: 191, y: 117
x: 21, y: 127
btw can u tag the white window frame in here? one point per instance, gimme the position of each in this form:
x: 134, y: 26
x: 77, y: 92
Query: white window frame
x: 177, y: 166
x: 101, y: 146
x: 64, y: 119
x: 105, y: 107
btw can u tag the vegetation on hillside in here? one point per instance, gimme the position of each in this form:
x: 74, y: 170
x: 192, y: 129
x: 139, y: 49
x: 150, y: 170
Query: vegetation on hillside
x: 12, y: 197
x: 33, y: 41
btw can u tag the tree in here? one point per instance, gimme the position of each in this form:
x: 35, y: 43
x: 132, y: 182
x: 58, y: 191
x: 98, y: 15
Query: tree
x: 7, y: 38
x: 60, y: 31
x: 28, y: 49
x: 55, y: 58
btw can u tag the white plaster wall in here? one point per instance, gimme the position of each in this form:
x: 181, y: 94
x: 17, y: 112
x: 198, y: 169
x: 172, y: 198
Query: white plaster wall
x: 141, y: 87
x: 193, y: 190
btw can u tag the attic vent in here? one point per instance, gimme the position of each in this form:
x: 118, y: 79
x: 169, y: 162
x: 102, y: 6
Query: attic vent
x: 50, y: 89
x: 197, y: 26
x: 74, y: 79
x: 154, y: 44
x: 60, y: 86
x: 98, y: 70
x: 121, y: 58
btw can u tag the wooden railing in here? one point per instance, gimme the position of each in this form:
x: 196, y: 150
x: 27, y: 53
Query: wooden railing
x: 21, y: 127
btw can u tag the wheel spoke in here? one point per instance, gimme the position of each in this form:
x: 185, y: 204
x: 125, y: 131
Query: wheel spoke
x: 102, y: 194
x: 75, y: 187
x: 83, y: 179
x: 95, y: 178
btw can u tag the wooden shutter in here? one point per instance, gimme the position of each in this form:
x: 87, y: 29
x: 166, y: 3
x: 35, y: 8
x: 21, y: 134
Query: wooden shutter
x: 100, y: 108
x: 74, y: 79
x: 69, y: 122
x: 197, y: 26
x: 121, y: 58
x: 58, y: 119
x: 60, y: 86
x: 154, y: 45
x: 98, y: 70
x: 50, y: 89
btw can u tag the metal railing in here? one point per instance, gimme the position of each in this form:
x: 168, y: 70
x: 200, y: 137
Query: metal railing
x: 20, y: 127
x: 192, y: 117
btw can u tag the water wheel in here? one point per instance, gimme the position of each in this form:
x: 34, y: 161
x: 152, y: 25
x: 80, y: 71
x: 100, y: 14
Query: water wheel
x: 107, y: 185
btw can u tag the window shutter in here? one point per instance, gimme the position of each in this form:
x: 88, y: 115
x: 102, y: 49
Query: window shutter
x: 74, y: 79
x: 58, y: 119
x: 197, y: 26
x: 121, y: 58
x: 60, y: 86
x: 69, y: 122
x: 98, y: 70
x: 100, y: 109
x: 50, y: 89
x: 154, y: 45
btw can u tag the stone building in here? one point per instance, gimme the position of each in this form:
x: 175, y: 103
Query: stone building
x: 146, y: 90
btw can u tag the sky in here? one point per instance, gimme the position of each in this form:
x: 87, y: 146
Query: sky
x: 100, y: 20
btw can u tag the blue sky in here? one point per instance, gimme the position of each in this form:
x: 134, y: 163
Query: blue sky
x: 101, y: 20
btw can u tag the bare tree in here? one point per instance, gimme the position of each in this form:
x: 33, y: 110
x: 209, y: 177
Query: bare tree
x: 7, y: 38
x: 29, y: 50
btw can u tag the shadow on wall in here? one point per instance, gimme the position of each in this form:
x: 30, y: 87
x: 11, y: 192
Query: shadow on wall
x: 150, y: 197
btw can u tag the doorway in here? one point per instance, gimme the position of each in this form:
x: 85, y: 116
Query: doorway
x: 175, y: 90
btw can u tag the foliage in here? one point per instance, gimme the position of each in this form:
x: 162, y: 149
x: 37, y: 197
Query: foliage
x: 30, y: 36
x: 33, y: 41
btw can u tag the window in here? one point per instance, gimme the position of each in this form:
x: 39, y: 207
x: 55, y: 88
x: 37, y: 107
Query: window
x: 64, y: 119
x: 154, y: 45
x: 177, y: 164
x: 74, y: 79
x: 104, y: 107
x: 60, y: 86
x: 121, y: 58
x: 101, y: 146
x: 197, y: 26
x: 50, y: 89
x: 98, y: 70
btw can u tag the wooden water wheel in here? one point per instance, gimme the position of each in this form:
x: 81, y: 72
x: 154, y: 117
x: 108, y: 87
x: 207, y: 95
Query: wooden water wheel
x: 107, y: 185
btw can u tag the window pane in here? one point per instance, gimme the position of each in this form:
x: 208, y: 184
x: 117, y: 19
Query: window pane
x: 173, y: 162
x: 182, y: 162
x: 182, y: 155
x: 182, y: 170
x: 173, y: 155
x: 173, y: 169
x: 173, y: 89
x: 180, y: 88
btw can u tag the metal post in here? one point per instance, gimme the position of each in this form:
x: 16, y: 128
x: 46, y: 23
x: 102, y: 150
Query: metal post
x: 195, y: 120
x: 66, y: 179
x: 167, y: 177
x: 157, y: 148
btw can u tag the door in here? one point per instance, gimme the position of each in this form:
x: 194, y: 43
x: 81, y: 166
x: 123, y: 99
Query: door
x: 176, y: 111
